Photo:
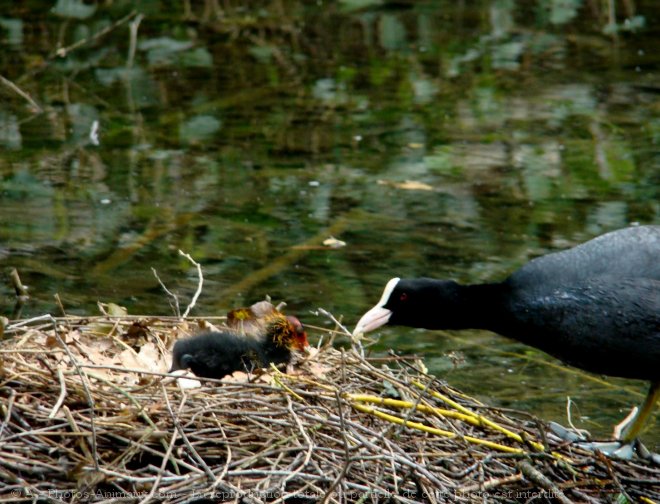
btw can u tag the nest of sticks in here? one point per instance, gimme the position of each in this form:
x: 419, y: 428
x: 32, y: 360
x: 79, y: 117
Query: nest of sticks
x: 88, y: 413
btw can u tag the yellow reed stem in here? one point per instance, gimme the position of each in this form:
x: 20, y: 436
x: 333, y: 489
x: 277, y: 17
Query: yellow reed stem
x: 433, y: 430
x: 482, y: 420
x: 396, y: 403
x: 277, y: 377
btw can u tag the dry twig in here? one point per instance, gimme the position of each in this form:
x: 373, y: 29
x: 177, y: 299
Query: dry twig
x: 328, y: 433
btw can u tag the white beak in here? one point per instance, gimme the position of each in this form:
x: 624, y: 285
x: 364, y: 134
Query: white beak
x: 371, y: 320
x: 378, y: 315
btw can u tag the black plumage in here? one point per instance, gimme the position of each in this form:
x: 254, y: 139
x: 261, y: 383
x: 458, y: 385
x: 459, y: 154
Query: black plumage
x: 216, y: 354
x: 595, y: 306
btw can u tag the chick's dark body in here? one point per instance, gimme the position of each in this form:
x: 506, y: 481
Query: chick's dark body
x: 216, y: 354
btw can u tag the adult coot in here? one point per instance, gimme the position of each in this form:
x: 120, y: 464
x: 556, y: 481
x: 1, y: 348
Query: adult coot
x: 595, y: 306
x: 215, y: 354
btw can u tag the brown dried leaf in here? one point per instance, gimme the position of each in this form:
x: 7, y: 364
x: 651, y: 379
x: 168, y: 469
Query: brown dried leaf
x: 237, y: 377
x: 409, y: 185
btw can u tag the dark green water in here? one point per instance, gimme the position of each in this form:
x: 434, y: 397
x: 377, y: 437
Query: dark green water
x: 247, y: 136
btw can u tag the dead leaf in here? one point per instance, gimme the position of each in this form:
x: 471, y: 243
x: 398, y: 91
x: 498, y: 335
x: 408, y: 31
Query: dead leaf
x: 186, y: 383
x: 312, y: 352
x: 112, y: 309
x: 237, y: 377
x: 333, y: 242
x: 137, y: 333
x: 150, y: 358
x: 202, y: 325
x: 101, y: 329
x: 318, y: 370
x: 408, y: 185
x: 128, y: 359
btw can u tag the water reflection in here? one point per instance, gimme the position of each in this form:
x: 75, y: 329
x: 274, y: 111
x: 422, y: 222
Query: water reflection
x: 434, y: 139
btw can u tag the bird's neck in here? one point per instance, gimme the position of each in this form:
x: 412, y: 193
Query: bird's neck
x: 477, y: 306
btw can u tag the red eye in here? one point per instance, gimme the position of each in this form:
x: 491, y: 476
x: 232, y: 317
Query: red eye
x: 403, y: 297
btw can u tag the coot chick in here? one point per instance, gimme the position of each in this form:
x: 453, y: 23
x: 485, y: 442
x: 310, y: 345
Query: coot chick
x: 252, y: 321
x: 595, y: 306
x: 215, y: 354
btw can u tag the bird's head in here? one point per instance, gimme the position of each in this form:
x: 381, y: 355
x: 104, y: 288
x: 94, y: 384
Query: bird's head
x: 417, y: 302
x: 181, y: 358
x: 251, y: 321
x: 287, y: 331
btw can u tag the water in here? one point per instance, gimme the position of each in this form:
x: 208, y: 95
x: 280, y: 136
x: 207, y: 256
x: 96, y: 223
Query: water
x: 433, y: 139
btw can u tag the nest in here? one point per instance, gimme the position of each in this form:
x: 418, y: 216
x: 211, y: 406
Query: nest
x: 89, y: 414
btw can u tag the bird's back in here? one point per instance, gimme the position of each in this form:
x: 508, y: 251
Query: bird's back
x: 596, y: 306
x: 598, y: 325
x: 632, y: 252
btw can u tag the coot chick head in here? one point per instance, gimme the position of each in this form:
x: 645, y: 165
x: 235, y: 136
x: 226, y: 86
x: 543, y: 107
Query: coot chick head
x: 181, y: 360
x: 415, y: 302
x: 287, y: 332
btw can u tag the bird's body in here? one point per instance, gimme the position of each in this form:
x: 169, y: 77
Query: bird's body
x: 595, y: 306
x: 626, y: 253
x: 592, y: 326
x: 215, y: 354
x: 588, y: 324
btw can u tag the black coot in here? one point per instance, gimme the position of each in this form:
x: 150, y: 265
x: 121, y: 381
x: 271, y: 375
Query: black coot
x: 595, y: 306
